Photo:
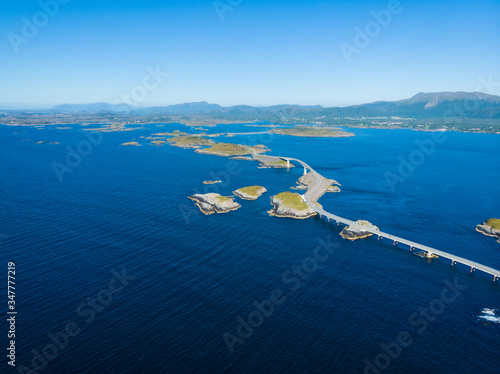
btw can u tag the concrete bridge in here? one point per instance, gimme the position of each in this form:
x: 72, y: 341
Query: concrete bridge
x: 315, y: 190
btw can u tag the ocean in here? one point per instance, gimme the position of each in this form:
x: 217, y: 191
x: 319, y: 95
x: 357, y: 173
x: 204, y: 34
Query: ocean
x: 118, y: 272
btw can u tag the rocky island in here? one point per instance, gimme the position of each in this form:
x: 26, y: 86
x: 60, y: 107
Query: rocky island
x: 189, y: 141
x: 490, y: 227
x: 131, y: 143
x: 354, y: 233
x: 291, y: 205
x: 158, y: 142
x: 211, y: 203
x: 212, y: 182
x: 250, y: 193
x: 229, y: 149
x: 313, y: 132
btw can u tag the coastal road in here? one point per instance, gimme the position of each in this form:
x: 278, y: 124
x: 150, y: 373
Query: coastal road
x: 319, y: 188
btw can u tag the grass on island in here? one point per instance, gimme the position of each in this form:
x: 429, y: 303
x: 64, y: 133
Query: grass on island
x: 494, y: 222
x: 224, y: 199
x: 278, y: 163
x: 185, y: 140
x: 158, y: 142
x: 292, y: 200
x: 228, y: 149
x: 251, y: 190
x: 309, y: 131
x: 174, y: 133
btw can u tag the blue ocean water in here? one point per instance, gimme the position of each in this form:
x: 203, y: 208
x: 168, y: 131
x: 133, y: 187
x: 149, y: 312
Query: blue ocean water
x: 191, y: 279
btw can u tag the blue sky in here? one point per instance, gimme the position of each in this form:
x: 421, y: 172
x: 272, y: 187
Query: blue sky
x: 264, y: 52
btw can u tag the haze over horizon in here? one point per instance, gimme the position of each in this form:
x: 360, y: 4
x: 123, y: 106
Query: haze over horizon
x: 256, y: 53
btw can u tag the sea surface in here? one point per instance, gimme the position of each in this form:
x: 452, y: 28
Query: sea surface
x: 191, y: 293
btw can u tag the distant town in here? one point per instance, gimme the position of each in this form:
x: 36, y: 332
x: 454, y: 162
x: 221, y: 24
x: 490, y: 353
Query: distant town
x: 454, y: 111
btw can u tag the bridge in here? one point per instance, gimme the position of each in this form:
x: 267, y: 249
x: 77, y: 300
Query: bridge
x: 316, y: 190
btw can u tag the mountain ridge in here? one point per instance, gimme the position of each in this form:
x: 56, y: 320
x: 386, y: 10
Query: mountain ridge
x: 423, y: 105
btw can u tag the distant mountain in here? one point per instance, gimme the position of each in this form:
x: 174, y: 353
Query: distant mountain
x: 433, y: 105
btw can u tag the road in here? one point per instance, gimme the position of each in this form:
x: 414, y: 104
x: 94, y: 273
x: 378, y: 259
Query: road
x: 318, y: 185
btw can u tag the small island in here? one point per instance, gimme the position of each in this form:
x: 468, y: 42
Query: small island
x: 312, y: 132
x: 174, y: 133
x: 490, y: 227
x: 131, y: 143
x: 267, y: 162
x: 212, y: 182
x: 211, y: 203
x: 157, y: 142
x: 228, y: 149
x: 190, y: 141
x: 291, y: 205
x: 354, y: 233
x: 250, y: 193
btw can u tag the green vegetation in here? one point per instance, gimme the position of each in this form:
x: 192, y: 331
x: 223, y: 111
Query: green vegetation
x: 227, y: 149
x: 307, y: 131
x: 278, y: 163
x: 251, y: 190
x: 223, y: 199
x: 174, y: 133
x: 494, y: 223
x: 291, y: 200
x: 189, y: 141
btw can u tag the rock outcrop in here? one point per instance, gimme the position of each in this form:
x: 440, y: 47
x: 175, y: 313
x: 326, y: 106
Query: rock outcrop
x: 212, y: 182
x: 250, y: 193
x: 291, y: 205
x: 490, y: 227
x: 354, y: 233
x: 211, y: 203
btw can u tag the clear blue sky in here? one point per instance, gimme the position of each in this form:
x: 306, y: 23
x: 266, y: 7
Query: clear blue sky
x: 264, y: 52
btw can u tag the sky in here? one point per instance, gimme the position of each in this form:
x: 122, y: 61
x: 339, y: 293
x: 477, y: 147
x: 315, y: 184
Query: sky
x: 254, y: 52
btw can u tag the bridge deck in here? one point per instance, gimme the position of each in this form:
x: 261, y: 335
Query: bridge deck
x: 313, y: 205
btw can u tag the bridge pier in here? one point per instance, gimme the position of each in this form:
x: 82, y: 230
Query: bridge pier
x: 288, y: 163
x: 423, y: 250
